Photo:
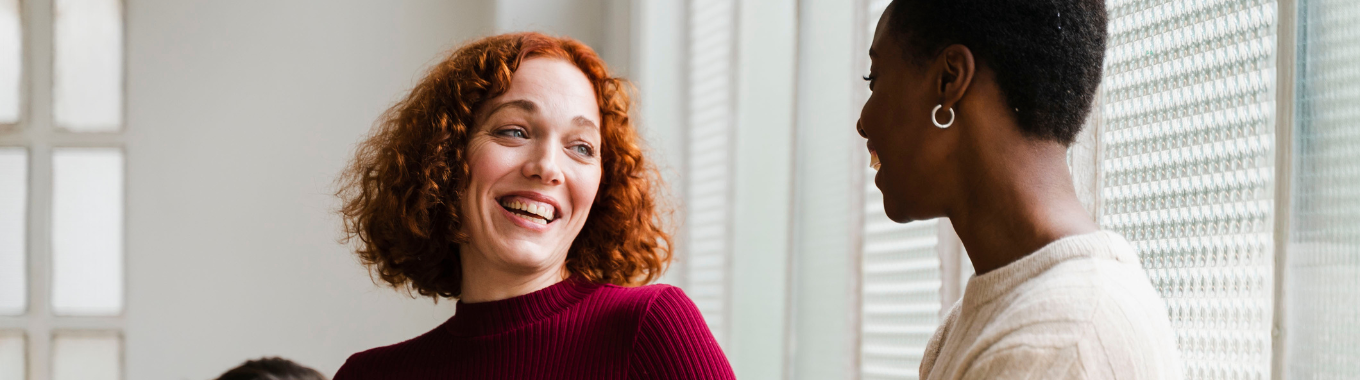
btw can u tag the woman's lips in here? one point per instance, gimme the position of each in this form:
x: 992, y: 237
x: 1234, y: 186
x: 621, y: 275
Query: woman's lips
x: 873, y: 156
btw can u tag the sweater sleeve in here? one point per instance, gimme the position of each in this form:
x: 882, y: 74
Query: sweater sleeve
x: 673, y: 342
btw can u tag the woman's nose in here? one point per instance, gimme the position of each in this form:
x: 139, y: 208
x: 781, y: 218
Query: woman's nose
x: 543, y: 165
x: 859, y: 127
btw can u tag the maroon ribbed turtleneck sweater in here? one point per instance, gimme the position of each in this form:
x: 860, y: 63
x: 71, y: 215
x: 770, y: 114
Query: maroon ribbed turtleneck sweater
x: 571, y: 330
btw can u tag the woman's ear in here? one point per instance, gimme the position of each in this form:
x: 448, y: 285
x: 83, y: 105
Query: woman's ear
x: 956, y: 68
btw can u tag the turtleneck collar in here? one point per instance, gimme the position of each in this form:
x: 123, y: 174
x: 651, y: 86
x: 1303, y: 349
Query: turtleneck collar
x: 492, y: 317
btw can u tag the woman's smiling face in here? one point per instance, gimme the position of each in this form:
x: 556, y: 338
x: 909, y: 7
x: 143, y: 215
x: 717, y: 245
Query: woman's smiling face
x: 533, y: 169
x: 911, y: 155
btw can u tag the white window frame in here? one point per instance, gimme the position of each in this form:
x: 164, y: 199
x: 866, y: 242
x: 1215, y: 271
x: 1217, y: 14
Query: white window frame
x: 39, y: 136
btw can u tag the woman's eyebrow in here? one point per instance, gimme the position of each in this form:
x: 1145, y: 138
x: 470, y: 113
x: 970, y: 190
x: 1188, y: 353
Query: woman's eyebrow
x: 582, y: 121
x: 526, y: 105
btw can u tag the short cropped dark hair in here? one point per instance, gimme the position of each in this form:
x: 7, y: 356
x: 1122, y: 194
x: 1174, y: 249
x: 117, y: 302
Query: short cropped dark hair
x: 271, y: 369
x: 1047, y: 54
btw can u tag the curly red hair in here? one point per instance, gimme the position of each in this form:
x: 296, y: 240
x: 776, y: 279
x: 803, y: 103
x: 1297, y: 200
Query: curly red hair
x: 401, y: 193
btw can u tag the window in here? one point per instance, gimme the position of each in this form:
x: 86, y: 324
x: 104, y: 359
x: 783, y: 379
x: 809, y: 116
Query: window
x: 708, y: 170
x: 62, y: 195
x: 11, y: 62
x: 13, y: 220
x: 1322, y: 287
x: 88, y: 65
x: 1187, y: 146
x: 1224, y: 144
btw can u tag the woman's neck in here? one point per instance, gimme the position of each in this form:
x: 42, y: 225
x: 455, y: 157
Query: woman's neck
x: 483, y: 281
x: 1020, y: 199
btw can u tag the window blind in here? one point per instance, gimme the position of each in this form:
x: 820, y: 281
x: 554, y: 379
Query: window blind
x: 1322, y: 288
x: 708, y: 169
x: 1187, y: 160
x: 900, y: 291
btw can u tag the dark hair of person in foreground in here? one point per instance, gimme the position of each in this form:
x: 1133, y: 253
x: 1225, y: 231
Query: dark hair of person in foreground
x: 271, y: 368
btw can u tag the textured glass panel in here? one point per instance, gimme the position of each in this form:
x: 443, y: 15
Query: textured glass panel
x: 87, y: 356
x: 1322, y: 292
x: 1187, y: 155
x: 13, y: 361
x: 11, y: 60
x: 709, y: 187
x: 87, y: 231
x: 87, y: 83
x: 13, y: 230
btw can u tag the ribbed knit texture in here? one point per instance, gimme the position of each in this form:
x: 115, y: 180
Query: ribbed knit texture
x: 1079, y: 308
x: 570, y: 330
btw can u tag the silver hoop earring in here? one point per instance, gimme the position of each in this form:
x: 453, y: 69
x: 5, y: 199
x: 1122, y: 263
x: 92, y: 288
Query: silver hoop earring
x: 937, y: 123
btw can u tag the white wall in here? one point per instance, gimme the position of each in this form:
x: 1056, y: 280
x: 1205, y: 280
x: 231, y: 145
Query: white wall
x: 240, y: 115
x: 601, y: 24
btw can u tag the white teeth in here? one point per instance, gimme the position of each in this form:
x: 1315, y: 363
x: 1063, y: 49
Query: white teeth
x: 545, y: 212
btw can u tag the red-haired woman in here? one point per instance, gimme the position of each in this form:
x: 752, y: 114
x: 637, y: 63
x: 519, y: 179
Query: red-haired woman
x: 511, y: 179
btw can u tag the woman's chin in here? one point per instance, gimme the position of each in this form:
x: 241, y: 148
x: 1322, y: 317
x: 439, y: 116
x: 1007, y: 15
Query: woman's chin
x: 527, y: 260
x: 906, y: 212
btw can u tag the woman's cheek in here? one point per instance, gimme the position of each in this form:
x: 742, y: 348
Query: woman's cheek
x: 589, y: 187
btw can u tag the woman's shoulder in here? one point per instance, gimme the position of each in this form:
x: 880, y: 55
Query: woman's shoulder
x: 645, y: 296
x: 646, y: 299
x: 672, y: 340
x: 657, y: 304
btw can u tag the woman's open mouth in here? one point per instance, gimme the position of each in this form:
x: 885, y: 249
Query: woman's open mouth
x: 529, y: 210
x: 873, y: 156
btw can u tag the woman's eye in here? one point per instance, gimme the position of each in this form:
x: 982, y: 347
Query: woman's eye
x: 871, y: 79
x: 584, y: 150
x: 513, y: 132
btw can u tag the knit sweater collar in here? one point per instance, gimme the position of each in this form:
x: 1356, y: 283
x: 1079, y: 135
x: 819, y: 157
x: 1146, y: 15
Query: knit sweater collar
x: 1099, y: 245
x: 493, y: 317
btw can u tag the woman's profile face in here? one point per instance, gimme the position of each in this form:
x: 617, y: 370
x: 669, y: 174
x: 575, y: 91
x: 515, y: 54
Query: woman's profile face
x: 533, y: 168
x: 910, y: 151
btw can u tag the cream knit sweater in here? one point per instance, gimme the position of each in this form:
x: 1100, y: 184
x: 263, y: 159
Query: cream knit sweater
x: 1078, y: 308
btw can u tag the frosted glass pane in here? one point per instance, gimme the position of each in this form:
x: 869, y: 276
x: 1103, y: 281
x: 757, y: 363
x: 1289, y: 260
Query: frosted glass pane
x: 13, y: 362
x: 87, y: 356
x: 88, y: 65
x: 1322, y: 292
x: 11, y: 60
x: 1188, y: 160
x: 13, y: 230
x: 87, y: 231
